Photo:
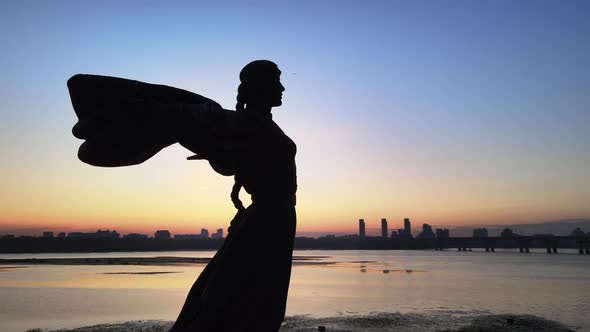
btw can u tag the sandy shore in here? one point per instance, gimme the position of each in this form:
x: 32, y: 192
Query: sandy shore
x: 379, y: 322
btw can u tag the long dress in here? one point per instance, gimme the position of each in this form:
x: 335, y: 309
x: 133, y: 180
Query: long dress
x: 244, y: 287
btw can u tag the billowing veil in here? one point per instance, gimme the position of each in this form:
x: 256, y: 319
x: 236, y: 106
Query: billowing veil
x: 123, y: 122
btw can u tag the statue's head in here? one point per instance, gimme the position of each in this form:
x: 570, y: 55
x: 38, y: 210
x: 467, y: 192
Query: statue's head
x: 260, y: 85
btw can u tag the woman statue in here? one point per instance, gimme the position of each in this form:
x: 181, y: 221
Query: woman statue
x: 244, y: 287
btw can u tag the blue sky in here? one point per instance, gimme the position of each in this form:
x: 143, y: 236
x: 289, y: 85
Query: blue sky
x: 451, y: 112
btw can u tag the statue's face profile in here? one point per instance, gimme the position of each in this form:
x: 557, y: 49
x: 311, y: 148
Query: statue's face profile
x: 275, y: 90
x: 261, y: 82
x: 269, y: 89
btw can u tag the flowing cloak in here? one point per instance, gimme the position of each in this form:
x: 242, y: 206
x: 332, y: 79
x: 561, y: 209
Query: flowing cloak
x: 125, y: 122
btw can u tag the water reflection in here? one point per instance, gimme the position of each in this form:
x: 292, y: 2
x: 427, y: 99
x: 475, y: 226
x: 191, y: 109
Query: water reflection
x: 323, y: 284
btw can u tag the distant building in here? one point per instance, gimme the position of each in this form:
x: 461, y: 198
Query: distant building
x: 204, y: 233
x: 384, y: 228
x: 162, y: 234
x: 107, y: 234
x: 100, y: 234
x: 407, y: 226
x: 349, y: 237
x: 48, y: 234
x: 443, y: 233
x: 362, y: 229
x: 8, y: 236
x: 480, y: 232
x: 507, y: 232
x: 218, y: 234
x: 186, y: 236
x: 135, y: 236
x: 427, y: 232
x: 61, y: 235
x: 402, y: 234
x: 578, y: 232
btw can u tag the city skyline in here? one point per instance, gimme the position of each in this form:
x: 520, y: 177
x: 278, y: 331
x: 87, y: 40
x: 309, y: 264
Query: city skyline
x: 363, y: 229
x: 165, y: 234
x: 457, y: 115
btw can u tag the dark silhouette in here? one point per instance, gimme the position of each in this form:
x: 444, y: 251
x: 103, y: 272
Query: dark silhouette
x: 28, y: 244
x: 244, y: 287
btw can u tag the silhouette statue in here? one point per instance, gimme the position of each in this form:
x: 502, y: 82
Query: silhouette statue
x: 124, y: 122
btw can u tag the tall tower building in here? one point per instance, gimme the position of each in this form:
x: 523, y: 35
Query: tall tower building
x: 384, y: 228
x: 362, y: 229
x: 407, y: 226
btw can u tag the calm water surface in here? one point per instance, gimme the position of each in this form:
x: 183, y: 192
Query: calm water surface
x: 343, y: 283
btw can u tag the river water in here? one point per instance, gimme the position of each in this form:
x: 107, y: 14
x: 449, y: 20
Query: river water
x: 338, y: 283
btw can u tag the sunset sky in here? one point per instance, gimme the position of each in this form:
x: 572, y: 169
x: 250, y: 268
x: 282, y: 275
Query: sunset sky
x: 447, y: 112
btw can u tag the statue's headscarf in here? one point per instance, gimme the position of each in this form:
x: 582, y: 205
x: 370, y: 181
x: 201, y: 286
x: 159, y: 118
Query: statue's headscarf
x: 252, y: 79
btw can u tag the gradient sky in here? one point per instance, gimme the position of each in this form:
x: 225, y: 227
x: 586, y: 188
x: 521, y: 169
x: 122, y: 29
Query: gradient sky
x: 447, y: 112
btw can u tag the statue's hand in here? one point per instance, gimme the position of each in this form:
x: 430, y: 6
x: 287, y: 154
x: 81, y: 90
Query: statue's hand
x: 235, y: 196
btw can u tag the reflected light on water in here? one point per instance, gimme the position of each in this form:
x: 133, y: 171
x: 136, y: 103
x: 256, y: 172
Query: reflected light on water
x: 550, y: 286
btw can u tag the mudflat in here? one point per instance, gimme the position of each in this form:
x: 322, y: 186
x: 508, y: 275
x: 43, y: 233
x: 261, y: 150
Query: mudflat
x: 378, y: 322
x: 161, y: 260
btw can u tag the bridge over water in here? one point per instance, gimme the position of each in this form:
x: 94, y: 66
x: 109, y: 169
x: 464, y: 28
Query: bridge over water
x: 490, y: 244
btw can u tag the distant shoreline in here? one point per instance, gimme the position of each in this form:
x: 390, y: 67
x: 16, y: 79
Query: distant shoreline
x: 32, y: 245
x: 159, y: 261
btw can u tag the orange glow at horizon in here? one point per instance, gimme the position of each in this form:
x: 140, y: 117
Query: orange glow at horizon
x: 183, y: 197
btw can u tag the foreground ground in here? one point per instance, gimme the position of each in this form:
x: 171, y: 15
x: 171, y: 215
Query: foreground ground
x: 373, y: 323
